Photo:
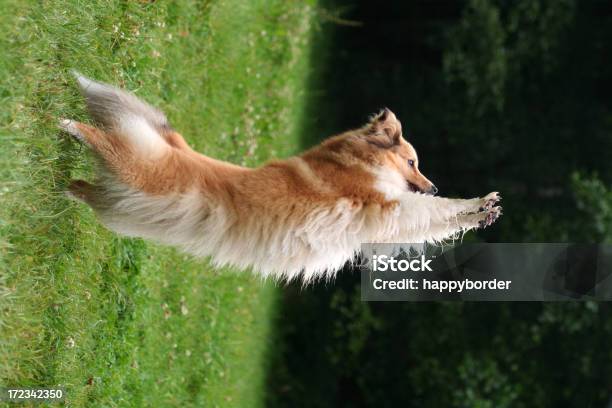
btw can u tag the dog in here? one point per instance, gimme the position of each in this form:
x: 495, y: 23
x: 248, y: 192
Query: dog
x: 302, y: 217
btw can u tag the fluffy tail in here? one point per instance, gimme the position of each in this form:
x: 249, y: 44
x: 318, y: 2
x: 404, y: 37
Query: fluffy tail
x: 119, y: 112
x: 109, y: 106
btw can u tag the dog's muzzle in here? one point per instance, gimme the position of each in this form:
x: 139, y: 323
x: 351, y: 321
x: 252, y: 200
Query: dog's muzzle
x: 433, y: 190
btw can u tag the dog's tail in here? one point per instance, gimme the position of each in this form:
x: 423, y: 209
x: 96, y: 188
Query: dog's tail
x: 122, y: 113
x: 110, y: 106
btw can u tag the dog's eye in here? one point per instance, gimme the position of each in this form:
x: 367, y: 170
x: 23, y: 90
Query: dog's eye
x: 411, y: 163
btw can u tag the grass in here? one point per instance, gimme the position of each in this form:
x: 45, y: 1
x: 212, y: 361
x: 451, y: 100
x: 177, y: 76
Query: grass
x: 122, y: 322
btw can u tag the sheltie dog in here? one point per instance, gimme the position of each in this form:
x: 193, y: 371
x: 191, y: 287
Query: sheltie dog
x: 302, y: 217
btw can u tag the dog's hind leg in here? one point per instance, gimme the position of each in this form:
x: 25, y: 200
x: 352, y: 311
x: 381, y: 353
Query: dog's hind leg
x: 86, y: 192
x: 89, y: 135
x: 111, y: 149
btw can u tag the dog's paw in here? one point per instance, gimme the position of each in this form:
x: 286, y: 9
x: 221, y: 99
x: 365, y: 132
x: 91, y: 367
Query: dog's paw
x: 70, y: 127
x: 490, y: 200
x: 489, y: 216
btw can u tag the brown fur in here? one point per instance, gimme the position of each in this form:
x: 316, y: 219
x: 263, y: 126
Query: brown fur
x: 338, y: 168
x: 303, y: 215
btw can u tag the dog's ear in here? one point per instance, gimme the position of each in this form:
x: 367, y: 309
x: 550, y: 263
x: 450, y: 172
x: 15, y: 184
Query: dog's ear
x: 385, y: 129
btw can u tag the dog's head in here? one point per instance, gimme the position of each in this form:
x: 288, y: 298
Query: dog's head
x: 393, y: 153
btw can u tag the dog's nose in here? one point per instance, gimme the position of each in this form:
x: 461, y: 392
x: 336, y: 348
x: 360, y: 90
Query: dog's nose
x: 433, y: 190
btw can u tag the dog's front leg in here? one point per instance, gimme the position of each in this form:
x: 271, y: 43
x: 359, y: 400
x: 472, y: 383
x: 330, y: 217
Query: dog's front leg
x: 456, y: 226
x: 439, y: 208
x: 450, y: 207
x: 426, y: 218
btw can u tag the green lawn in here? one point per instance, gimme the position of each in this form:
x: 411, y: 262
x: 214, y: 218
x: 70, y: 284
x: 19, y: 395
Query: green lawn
x: 122, y: 322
